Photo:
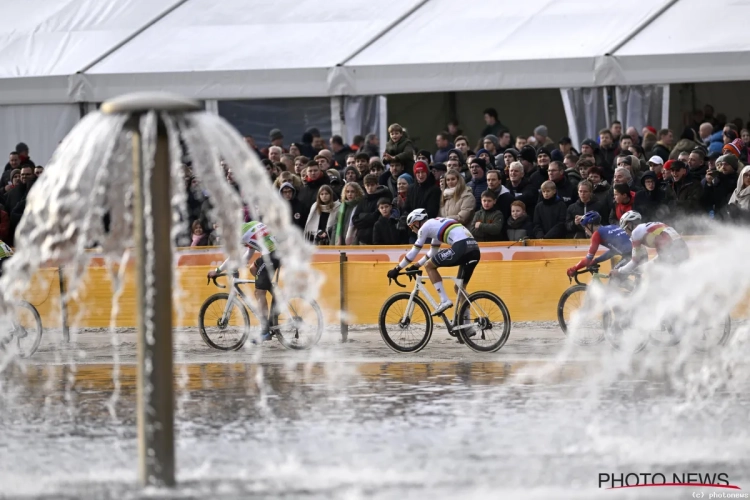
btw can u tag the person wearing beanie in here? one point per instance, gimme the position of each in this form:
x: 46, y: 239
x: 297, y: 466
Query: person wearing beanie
x: 478, y: 183
x: 651, y: 202
x: 276, y: 138
x: 737, y: 148
x: 404, y: 182
x: 23, y: 154
x: 367, y: 213
x: 719, y: 184
x: 425, y: 194
x: 540, y: 175
x: 542, y: 137
x: 491, y: 143
x: 688, y: 190
x: 503, y: 161
x: 527, y: 157
x: 489, y: 160
x: 425, y: 156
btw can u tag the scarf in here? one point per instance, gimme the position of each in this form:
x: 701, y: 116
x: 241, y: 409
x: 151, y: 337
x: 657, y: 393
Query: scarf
x: 448, y: 193
x: 517, y: 223
x: 326, y: 208
x: 342, y: 222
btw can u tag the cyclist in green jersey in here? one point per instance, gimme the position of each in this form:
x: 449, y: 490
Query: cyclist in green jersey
x: 257, y: 238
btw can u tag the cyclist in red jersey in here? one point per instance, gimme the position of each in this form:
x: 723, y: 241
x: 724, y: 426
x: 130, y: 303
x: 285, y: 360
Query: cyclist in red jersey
x: 669, y: 245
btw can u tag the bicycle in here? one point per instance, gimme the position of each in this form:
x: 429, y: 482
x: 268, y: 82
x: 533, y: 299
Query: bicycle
x: 29, y: 328
x: 288, y: 325
x: 472, y: 332
x: 576, y: 294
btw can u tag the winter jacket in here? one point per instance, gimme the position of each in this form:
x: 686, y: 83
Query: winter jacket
x: 340, y: 157
x: 567, y: 191
x: 321, y: 221
x: 689, y: 194
x: 309, y: 192
x: 367, y: 215
x: 683, y: 145
x: 503, y: 200
x: 661, y: 150
x: 538, y: 177
x: 524, y: 192
x: 549, y: 219
x: 579, y: 208
x: 609, y: 155
x: 4, y: 224
x: 518, y: 229
x: 385, y: 232
x: 601, y: 190
x: 652, y: 205
x: 425, y: 195
x: 478, y: 186
x: 491, y: 227
x: 716, y: 142
x: 404, y: 151
x: 387, y: 180
x: 620, y: 208
x: 716, y: 195
x: 459, y: 210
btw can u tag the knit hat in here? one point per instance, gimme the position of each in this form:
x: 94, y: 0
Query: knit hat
x: 439, y: 166
x: 480, y: 162
x: 543, y: 151
x: 557, y: 155
x: 732, y: 160
x: 288, y: 185
x: 541, y: 130
x: 590, y: 143
x: 513, y: 152
x: 651, y: 129
x: 565, y: 140
x: 347, y: 169
x: 735, y: 147
x: 275, y: 134
x: 408, y: 178
x: 425, y: 153
x: 668, y: 165
x: 420, y: 166
x: 528, y: 153
x: 483, y: 151
x: 492, y: 139
x: 677, y: 165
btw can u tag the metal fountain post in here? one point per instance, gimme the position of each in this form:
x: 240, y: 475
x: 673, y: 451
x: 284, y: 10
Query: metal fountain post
x: 155, y: 380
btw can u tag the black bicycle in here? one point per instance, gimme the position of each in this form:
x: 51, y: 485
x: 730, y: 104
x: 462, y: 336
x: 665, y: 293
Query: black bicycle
x: 225, y: 324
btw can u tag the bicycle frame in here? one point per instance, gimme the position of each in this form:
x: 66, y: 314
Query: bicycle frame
x: 237, y: 294
x: 421, y: 286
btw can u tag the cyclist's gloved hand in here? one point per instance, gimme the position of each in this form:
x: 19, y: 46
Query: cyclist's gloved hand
x: 412, y: 268
x: 212, y: 273
x: 614, y: 273
x: 572, y: 271
x: 393, y: 273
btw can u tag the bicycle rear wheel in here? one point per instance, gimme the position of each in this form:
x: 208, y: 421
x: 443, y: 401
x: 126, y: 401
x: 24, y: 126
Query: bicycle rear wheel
x: 300, y: 325
x: 621, y: 335
x: 405, y: 327
x: 26, y: 328
x: 572, y: 310
x: 489, y: 319
x: 716, y: 334
x: 223, y: 333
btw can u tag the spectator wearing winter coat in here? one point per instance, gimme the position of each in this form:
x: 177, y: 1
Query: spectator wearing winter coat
x: 590, y: 147
x: 321, y: 222
x: 385, y: 231
x: 405, y: 181
x: 456, y: 162
x: 390, y: 177
x: 739, y: 203
x: 651, y: 202
x: 503, y: 198
x: 601, y: 186
x: 519, y: 226
x: 543, y: 160
x: 423, y: 194
x: 502, y: 162
x: 663, y: 144
x: 200, y: 237
x: 478, y: 183
x: 607, y: 147
x: 519, y: 187
x: 585, y: 203
x: 566, y: 191
x: 367, y: 213
x: 623, y: 202
x: 289, y: 193
x: 340, y: 151
x: 399, y: 146
x: 688, y: 141
x: 737, y: 147
x: 487, y: 223
x: 688, y: 190
x: 458, y: 201
x: 314, y: 179
x: 444, y: 145
x: 346, y: 233
x: 720, y: 184
x: 549, y: 214
x: 351, y: 174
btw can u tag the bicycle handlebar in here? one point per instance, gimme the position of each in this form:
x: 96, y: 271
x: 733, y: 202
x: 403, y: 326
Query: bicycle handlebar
x: 410, y: 274
x: 591, y: 269
x: 219, y: 275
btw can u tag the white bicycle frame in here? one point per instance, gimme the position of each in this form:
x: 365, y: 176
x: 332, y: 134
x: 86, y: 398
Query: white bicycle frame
x: 237, y: 294
x: 421, y: 286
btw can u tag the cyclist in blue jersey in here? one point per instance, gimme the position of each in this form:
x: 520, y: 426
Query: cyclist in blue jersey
x: 613, y: 237
x: 463, y: 251
x: 257, y: 238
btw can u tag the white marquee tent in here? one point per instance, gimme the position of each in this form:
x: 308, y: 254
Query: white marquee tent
x: 60, y: 53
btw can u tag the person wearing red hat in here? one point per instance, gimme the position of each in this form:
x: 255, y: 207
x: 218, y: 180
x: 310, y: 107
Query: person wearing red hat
x: 423, y: 194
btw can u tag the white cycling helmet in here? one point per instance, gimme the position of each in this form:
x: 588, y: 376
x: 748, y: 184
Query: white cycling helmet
x: 628, y: 217
x: 416, y: 215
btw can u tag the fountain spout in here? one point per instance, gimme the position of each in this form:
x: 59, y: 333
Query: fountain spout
x: 152, y: 216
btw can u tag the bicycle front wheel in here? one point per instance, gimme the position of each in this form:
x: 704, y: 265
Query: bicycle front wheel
x: 405, y: 326
x: 301, y: 324
x: 489, y: 322
x: 26, y: 328
x: 225, y: 332
x: 572, y: 310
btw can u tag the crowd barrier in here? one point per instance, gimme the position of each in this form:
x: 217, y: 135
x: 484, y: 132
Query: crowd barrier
x: 530, y: 279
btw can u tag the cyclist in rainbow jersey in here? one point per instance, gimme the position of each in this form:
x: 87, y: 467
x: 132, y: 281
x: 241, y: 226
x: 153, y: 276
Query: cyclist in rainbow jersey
x: 257, y: 238
x: 669, y: 245
x: 463, y: 252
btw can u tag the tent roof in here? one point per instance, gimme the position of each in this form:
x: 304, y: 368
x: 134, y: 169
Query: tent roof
x: 46, y: 41
x: 210, y: 49
x: 669, y: 51
x: 474, y: 45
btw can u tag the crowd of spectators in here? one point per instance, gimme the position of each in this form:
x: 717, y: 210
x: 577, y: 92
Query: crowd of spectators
x: 19, y: 175
x: 509, y: 187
